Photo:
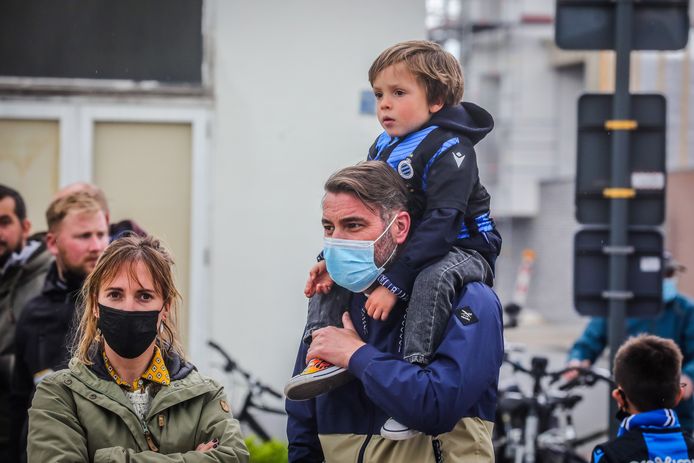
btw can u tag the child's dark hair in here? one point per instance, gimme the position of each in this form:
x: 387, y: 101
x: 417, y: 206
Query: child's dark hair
x: 434, y: 67
x: 648, y: 368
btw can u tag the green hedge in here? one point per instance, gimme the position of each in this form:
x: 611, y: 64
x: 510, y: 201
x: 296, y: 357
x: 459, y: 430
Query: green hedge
x: 272, y: 451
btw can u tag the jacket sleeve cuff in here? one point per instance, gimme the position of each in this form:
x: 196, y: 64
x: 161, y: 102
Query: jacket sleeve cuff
x: 320, y: 257
x: 400, y: 275
x: 384, y: 281
x: 361, y: 359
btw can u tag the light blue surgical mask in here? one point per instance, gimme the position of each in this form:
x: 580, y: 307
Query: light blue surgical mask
x: 669, y: 289
x: 351, y: 263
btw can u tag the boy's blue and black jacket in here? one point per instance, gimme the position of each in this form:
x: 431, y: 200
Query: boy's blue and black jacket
x: 449, y: 204
x: 648, y: 437
x: 454, y: 397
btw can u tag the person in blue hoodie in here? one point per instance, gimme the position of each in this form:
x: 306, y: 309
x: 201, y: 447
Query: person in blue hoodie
x: 451, y: 400
x: 429, y: 141
x: 648, y: 376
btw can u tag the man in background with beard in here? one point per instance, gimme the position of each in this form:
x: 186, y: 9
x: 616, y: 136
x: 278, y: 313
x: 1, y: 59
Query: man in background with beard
x: 24, y: 262
x: 77, y: 236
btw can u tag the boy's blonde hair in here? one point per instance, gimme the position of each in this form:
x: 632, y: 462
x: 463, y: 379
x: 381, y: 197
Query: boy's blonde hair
x: 434, y: 67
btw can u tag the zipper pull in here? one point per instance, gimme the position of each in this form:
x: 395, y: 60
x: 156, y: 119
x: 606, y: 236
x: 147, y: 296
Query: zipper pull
x: 150, y: 442
x: 161, y: 420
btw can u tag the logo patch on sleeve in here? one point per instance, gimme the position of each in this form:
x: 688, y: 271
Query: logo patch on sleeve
x: 466, y: 315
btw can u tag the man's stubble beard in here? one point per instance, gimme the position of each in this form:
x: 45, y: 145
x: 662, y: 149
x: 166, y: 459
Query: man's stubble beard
x: 383, y: 250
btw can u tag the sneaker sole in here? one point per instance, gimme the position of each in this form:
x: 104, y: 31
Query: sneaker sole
x: 308, y: 387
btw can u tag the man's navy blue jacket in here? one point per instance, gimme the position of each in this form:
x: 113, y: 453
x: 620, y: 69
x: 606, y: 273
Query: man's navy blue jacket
x: 648, y: 437
x: 461, y: 380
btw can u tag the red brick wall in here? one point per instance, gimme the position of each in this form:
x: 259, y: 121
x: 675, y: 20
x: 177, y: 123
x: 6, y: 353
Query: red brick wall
x: 679, y: 224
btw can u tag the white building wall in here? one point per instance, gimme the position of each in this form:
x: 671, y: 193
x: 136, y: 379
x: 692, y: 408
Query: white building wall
x: 288, y: 78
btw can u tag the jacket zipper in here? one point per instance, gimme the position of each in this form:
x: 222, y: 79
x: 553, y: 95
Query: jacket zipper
x: 362, y: 450
x: 148, y: 437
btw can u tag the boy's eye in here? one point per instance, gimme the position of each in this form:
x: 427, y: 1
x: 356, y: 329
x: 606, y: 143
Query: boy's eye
x: 399, y: 92
x: 378, y: 95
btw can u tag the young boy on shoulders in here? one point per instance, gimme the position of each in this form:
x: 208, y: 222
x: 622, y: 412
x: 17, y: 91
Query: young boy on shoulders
x: 428, y: 139
x: 647, y: 371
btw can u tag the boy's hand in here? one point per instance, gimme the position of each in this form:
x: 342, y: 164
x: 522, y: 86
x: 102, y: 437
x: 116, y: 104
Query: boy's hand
x: 319, y: 280
x: 380, y: 303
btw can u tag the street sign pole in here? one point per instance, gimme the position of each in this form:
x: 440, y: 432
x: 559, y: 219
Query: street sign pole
x: 619, y: 193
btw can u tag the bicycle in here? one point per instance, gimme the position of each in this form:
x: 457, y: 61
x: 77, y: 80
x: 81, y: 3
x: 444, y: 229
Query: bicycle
x: 254, y: 397
x: 538, y: 427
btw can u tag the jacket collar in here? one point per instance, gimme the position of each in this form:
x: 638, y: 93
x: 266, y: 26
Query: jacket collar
x: 177, y: 367
x: 156, y: 372
x: 56, y: 287
x: 26, y: 257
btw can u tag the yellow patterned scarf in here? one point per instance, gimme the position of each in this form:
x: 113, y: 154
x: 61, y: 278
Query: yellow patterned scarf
x: 156, y: 372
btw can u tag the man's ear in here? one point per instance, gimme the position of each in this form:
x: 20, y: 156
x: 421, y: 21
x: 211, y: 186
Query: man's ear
x: 26, y: 229
x: 401, y: 226
x: 51, y: 243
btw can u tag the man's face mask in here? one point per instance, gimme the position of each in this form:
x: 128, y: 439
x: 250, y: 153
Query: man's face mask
x: 669, y: 289
x: 128, y: 333
x: 351, y: 263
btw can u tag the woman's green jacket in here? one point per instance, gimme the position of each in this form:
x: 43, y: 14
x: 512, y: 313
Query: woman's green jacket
x: 78, y: 416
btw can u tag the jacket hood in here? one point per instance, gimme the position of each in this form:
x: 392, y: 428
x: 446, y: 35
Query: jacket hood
x: 32, y: 255
x: 178, y: 368
x: 466, y: 118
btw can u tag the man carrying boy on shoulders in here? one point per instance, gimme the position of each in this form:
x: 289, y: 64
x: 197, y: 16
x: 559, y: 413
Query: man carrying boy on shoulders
x: 451, y: 400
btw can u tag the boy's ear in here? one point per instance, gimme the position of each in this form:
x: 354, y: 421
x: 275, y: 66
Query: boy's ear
x: 680, y: 394
x: 619, y: 398
x: 436, y: 107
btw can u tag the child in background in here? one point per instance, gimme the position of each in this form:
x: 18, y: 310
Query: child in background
x: 647, y: 371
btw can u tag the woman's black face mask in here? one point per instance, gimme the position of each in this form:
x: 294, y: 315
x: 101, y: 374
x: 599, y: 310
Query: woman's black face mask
x: 128, y: 333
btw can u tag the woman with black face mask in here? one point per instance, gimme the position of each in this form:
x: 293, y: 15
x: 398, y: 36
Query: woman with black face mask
x: 129, y: 394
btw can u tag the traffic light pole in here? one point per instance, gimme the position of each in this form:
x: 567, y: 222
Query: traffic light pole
x: 620, y: 187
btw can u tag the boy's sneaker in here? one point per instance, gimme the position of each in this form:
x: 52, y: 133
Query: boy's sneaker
x: 317, y: 378
x: 394, y: 430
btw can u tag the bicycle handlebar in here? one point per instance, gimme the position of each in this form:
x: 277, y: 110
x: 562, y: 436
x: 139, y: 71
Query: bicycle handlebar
x: 231, y: 365
x: 587, y: 376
